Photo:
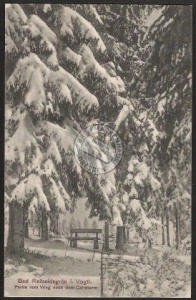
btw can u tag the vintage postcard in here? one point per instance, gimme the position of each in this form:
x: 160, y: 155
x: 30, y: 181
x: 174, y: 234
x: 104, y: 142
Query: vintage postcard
x: 98, y: 118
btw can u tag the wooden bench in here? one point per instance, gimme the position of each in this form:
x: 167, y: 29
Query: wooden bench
x: 73, y: 239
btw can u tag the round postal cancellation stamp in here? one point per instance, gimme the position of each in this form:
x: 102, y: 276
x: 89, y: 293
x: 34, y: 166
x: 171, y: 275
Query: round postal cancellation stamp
x: 98, y: 149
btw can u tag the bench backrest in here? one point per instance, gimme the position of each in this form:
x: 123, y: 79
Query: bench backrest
x: 74, y: 230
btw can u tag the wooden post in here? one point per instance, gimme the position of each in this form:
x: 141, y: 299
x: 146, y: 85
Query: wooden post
x: 26, y: 228
x: 167, y: 227
x: 75, y: 241
x: 96, y: 244
x: 127, y: 233
x: 71, y: 242
x: 163, y: 229
x: 106, y: 243
x: 177, y: 227
x: 102, y: 273
x: 120, y: 237
x: 57, y: 225
x: 124, y: 234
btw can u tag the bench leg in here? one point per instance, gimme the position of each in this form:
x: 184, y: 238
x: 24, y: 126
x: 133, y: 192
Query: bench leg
x: 96, y: 244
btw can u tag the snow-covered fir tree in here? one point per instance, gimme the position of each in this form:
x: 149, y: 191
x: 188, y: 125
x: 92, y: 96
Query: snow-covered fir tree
x: 159, y: 130
x: 48, y: 104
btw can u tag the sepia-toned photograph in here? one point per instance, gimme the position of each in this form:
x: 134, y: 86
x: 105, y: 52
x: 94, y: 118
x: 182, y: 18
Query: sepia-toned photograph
x: 98, y: 151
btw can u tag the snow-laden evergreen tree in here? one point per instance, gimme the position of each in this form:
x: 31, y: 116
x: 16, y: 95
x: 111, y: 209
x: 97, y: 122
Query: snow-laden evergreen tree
x: 157, y: 120
x: 55, y: 85
x: 171, y: 110
x: 129, y: 55
x: 163, y: 120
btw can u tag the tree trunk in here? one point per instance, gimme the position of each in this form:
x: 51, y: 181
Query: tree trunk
x: 163, y: 230
x: 44, y: 225
x: 39, y: 223
x: 15, y: 241
x: 26, y: 222
x: 124, y: 234
x: 149, y: 243
x: 177, y: 227
x: 39, y: 230
x: 26, y: 229
x: 106, y: 242
x: 57, y: 225
x: 120, y: 238
x: 54, y: 223
x: 127, y: 233
x: 167, y: 228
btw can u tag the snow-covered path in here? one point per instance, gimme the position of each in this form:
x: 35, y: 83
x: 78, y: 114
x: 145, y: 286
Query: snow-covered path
x: 80, y: 254
x: 76, y: 253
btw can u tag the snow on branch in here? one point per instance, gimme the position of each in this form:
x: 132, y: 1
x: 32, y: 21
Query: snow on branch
x: 155, y: 184
x: 66, y: 197
x: 48, y: 169
x: 10, y: 46
x: 57, y: 197
x: 133, y: 193
x: 80, y: 95
x: 135, y: 205
x: 63, y: 137
x: 15, y: 14
x: 94, y: 14
x: 89, y: 12
x: 122, y: 115
x: 36, y: 97
x: 41, y: 40
x: 15, y: 20
x: 89, y: 64
x: 53, y: 152
x: 22, y: 141
x: 44, y: 30
x: 68, y: 56
x: 28, y: 188
x: 117, y: 220
x: 71, y: 24
x: 35, y: 75
x: 182, y: 133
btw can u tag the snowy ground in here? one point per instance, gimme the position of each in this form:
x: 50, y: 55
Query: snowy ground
x: 76, y: 272
x: 55, y: 260
x: 159, y: 278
